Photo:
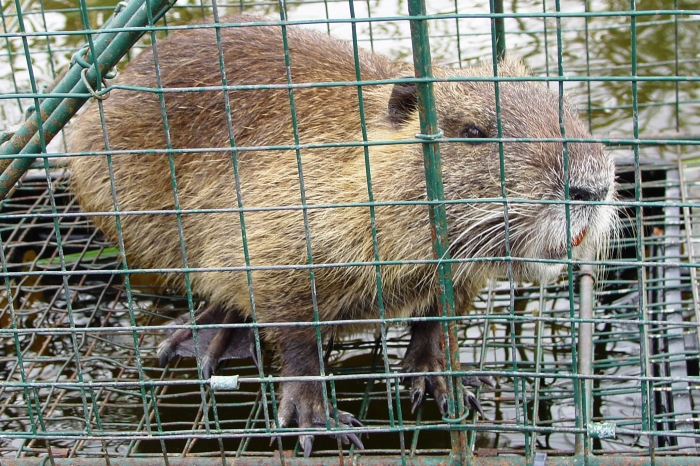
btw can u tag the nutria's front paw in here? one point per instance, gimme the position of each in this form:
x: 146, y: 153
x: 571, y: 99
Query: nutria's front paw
x: 214, y: 344
x: 436, y: 386
x: 302, y: 404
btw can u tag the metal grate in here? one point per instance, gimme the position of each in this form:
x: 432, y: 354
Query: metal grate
x: 97, y: 406
x: 79, y: 377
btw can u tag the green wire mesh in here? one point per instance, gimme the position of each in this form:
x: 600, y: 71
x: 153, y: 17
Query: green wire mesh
x: 78, y: 372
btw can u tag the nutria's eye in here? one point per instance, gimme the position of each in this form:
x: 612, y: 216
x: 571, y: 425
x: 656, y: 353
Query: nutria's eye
x: 472, y: 132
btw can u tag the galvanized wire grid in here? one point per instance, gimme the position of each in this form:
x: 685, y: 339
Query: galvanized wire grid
x: 86, y: 383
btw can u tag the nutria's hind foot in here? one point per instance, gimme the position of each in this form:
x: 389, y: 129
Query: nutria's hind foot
x: 436, y: 386
x: 426, y: 353
x: 215, y: 344
x: 302, y: 404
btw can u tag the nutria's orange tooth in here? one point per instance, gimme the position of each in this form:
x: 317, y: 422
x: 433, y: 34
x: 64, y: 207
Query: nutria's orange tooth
x: 576, y: 241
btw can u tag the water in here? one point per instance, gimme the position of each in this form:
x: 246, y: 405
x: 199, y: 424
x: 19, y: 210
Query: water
x: 665, y: 46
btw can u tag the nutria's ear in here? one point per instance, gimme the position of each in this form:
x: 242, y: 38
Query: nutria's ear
x: 403, y: 102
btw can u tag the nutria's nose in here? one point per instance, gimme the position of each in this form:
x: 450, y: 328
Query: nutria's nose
x: 583, y: 193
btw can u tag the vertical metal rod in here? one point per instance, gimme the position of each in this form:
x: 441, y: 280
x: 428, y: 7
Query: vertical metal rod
x: 430, y: 133
x: 539, y: 361
x: 497, y: 7
x: 585, y: 352
x: 643, y: 311
x: 676, y: 340
x: 579, y: 399
x: 373, y: 228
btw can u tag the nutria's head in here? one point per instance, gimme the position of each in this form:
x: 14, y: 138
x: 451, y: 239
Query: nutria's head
x: 533, y: 171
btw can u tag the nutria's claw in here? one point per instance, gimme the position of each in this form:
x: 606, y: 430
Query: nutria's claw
x: 436, y: 386
x: 166, y: 353
x: 417, y: 393
x: 215, y: 345
x: 307, y: 441
x: 354, y: 439
x: 209, y: 366
x: 302, y: 404
x: 433, y: 385
x: 346, y: 419
x: 470, y: 399
x: 472, y: 403
x: 355, y: 422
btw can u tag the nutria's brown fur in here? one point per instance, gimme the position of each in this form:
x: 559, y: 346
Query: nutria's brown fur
x: 335, y: 175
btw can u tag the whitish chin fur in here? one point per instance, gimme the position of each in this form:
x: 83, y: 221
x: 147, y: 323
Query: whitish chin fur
x: 600, y: 227
x: 539, y: 272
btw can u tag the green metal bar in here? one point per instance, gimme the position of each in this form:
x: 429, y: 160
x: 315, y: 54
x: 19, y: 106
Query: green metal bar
x: 506, y: 225
x: 42, y: 426
x: 241, y: 218
x: 124, y: 264
x: 307, y: 232
x: 497, y: 7
x: 589, y: 110
x: 54, y: 113
x: 585, y: 354
x: 676, y: 68
x: 369, y: 26
x: 582, y: 445
x: 458, y: 36
x: 645, y: 365
x: 438, y: 217
x: 151, y: 21
x: 539, y: 362
x: 373, y: 227
x: 545, y: 38
x: 8, y: 49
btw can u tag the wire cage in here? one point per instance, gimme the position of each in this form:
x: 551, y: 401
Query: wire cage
x: 596, y: 367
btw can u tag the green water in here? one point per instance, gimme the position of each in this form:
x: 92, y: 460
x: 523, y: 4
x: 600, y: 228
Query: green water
x: 665, y: 45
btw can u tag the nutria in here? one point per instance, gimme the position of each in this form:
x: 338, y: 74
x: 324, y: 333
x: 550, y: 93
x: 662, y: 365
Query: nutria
x: 332, y: 175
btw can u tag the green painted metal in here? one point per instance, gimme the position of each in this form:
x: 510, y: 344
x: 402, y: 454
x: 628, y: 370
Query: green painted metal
x: 393, y: 416
x: 582, y: 447
x: 269, y: 413
x: 499, y: 27
x: 55, y: 112
x: 646, y: 387
x: 430, y: 134
x: 307, y: 233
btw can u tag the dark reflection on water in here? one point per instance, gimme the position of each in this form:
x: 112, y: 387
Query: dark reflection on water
x: 665, y: 46
x: 599, y: 47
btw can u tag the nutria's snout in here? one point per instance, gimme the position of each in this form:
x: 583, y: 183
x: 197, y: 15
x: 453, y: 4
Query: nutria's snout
x: 539, y: 159
x: 550, y: 233
x: 583, y: 225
